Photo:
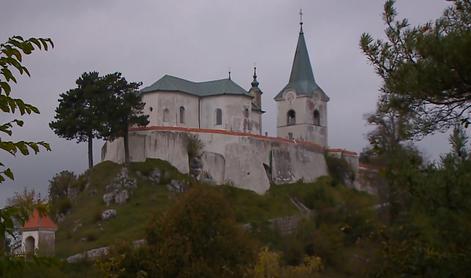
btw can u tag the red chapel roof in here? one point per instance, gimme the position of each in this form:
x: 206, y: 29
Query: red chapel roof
x: 37, y: 221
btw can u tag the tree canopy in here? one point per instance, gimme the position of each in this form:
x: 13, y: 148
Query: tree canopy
x: 426, y: 69
x: 124, y: 108
x: 100, y: 107
x: 80, y: 114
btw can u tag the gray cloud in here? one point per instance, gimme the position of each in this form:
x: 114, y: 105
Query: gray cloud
x: 198, y: 40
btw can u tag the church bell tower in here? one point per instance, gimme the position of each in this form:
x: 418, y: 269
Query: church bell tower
x: 302, y: 104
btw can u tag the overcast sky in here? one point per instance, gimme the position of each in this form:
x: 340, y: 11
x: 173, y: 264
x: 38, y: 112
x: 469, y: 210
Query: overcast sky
x: 197, y: 40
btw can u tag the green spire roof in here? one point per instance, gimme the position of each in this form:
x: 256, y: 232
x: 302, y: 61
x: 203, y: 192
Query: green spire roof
x: 302, y: 79
x: 170, y: 83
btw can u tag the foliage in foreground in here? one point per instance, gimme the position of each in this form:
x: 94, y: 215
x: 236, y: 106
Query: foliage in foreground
x: 197, y: 237
x: 12, y: 53
x: 42, y: 267
x: 426, y: 69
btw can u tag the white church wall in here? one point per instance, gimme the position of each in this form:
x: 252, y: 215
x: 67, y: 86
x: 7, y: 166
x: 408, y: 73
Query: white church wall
x: 201, y: 112
x: 171, y: 101
x: 240, y: 160
x: 256, y: 122
x: 232, y: 107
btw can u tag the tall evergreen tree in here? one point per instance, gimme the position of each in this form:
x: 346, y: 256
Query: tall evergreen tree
x: 426, y: 69
x: 123, y: 109
x: 79, y: 115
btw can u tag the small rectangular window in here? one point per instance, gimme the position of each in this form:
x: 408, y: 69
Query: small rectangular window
x: 218, y: 116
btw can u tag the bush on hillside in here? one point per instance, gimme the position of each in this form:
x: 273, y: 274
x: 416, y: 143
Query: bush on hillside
x: 197, y: 237
x: 200, y: 237
x: 340, y: 171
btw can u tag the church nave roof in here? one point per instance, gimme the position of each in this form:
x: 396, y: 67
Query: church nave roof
x: 170, y: 83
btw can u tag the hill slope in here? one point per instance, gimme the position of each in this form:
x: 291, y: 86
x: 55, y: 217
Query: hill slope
x: 83, y: 229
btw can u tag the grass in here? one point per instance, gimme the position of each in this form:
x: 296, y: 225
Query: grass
x: 147, y: 200
x: 151, y: 199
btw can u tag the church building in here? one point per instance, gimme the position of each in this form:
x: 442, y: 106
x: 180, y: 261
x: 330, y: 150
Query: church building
x: 227, y: 119
x: 223, y: 104
x: 218, y: 104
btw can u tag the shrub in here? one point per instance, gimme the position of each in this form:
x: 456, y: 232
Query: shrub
x: 63, y: 205
x: 194, y: 145
x: 199, y: 237
x: 340, y: 171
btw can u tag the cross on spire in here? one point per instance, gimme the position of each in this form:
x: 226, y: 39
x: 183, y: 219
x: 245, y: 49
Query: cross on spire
x: 301, y: 19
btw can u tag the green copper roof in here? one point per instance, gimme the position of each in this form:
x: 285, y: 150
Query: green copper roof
x: 302, y: 79
x: 170, y: 83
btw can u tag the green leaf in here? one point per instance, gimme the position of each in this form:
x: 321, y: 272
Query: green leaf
x: 8, y: 147
x: 5, y: 87
x: 19, y: 122
x: 22, y: 147
x: 36, y: 42
x: 8, y: 75
x: 35, y: 147
x: 9, y: 173
x: 45, y: 145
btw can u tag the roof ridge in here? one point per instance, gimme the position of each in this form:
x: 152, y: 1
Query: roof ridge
x: 197, y: 82
x: 201, y: 89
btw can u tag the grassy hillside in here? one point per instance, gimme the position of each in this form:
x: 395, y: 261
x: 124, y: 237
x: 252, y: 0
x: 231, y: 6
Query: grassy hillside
x: 82, y: 228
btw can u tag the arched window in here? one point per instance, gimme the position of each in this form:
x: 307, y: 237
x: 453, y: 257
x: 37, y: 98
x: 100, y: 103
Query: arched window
x: 218, y: 116
x: 291, y: 117
x: 166, y: 115
x: 182, y: 114
x: 317, y: 117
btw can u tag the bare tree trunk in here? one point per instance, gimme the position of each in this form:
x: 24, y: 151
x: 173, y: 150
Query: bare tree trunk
x: 2, y: 245
x: 90, y: 151
x: 126, y: 147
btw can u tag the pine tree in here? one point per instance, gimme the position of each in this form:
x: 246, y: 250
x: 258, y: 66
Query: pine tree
x: 123, y: 109
x: 80, y: 115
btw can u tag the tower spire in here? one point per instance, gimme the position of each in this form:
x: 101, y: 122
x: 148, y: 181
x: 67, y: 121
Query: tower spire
x: 301, y: 79
x: 301, y: 20
x: 254, y: 82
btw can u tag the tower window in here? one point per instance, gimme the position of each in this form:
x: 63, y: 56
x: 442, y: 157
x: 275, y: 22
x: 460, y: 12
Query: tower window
x: 291, y: 117
x: 166, y: 115
x: 290, y: 135
x: 317, y: 117
x: 218, y: 116
x: 182, y: 114
x: 246, y: 112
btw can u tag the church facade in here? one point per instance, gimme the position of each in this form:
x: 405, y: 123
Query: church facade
x: 219, y: 104
x: 228, y: 121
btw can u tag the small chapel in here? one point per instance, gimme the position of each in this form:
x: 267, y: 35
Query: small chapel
x: 38, y: 235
